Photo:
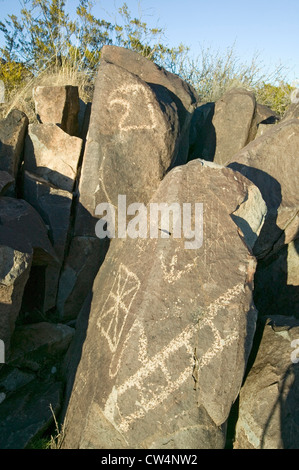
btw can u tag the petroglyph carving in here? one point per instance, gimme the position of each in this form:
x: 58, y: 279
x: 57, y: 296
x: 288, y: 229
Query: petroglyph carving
x: 125, y: 97
x: 171, y: 273
x: 117, y: 306
x: 159, y: 369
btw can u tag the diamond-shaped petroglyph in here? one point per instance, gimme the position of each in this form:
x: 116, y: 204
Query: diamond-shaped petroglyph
x: 117, y: 306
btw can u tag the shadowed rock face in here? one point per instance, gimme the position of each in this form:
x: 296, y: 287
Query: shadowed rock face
x: 271, y: 163
x: 221, y: 129
x: 269, y: 407
x: 6, y: 180
x: 23, y: 241
x: 12, y: 134
x: 170, y: 327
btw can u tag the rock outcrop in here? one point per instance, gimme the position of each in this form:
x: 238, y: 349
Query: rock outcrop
x: 225, y: 127
x: 58, y: 105
x: 143, y: 236
x: 160, y: 369
x: 12, y: 132
x: 139, y: 129
x: 271, y: 163
x: 269, y: 406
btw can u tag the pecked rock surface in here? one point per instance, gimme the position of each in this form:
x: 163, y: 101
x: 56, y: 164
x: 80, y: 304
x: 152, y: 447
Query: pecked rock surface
x: 139, y: 128
x: 170, y: 328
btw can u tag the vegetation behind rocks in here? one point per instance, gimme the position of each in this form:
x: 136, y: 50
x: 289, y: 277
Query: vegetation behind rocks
x: 45, y: 46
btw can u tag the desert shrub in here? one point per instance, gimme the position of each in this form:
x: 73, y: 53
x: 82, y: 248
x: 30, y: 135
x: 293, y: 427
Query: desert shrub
x: 45, y: 46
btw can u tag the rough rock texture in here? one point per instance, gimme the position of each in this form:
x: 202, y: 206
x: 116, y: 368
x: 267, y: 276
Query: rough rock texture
x: 13, y: 378
x: 14, y: 273
x: 160, y: 369
x: 85, y: 256
x: 293, y: 109
x: 271, y: 163
x: 269, y: 398
x: 23, y: 242
x: 35, y: 343
x: 277, y: 282
x: 28, y: 227
x: 263, y: 119
x: 153, y: 74
x: 54, y: 206
x: 52, y: 154
x: 58, y: 105
x: 6, y: 180
x: 225, y: 126
x: 139, y: 128
x: 12, y: 134
x: 27, y: 413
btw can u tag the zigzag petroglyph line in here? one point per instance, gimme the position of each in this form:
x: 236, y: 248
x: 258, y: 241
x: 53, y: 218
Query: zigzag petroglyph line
x: 149, y: 398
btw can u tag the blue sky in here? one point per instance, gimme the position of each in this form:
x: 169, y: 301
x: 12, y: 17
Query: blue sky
x: 267, y: 27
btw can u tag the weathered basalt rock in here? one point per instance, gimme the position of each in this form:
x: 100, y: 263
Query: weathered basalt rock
x: 224, y: 127
x: 54, y: 206
x: 12, y: 134
x: 26, y: 414
x: 139, y: 128
x: 268, y: 403
x: 6, y: 180
x: 162, y: 370
x: 14, y: 273
x: 58, y: 105
x: 34, y: 344
x: 271, y: 163
x: 28, y: 227
x: 52, y: 154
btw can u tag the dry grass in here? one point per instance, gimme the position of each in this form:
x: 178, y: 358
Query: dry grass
x: 22, y: 98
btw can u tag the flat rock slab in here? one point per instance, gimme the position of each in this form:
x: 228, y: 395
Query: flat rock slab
x: 81, y: 266
x: 226, y: 125
x: 271, y: 163
x: 12, y: 135
x: 138, y: 128
x: 268, y: 404
x: 52, y: 154
x: 12, y: 379
x: 58, y: 105
x: 151, y: 73
x: 170, y: 328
